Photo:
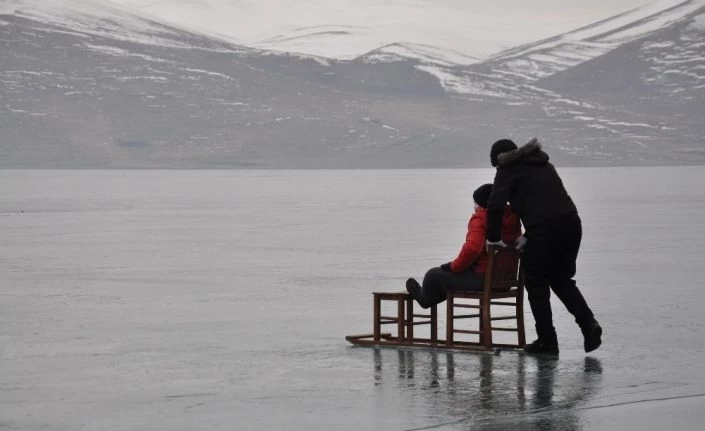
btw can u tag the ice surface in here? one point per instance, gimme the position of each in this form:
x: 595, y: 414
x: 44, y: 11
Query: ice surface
x: 219, y: 300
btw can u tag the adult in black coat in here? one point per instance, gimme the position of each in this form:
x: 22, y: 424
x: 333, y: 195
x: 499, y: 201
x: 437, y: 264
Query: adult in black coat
x: 553, y: 232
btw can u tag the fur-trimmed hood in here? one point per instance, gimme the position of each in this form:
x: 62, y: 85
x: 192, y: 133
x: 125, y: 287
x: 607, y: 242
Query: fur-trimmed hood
x: 529, y: 153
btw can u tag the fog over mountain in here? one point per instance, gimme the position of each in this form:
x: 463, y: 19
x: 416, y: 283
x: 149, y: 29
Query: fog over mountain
x: 129, y: 83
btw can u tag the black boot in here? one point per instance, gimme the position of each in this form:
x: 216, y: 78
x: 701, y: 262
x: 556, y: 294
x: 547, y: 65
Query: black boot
x: 542, y: 347
x: 414, y: 289
x: 593, y: 336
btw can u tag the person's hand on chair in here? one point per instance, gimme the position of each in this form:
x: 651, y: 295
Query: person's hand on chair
x: 499, y: 243
x: 520, y: 242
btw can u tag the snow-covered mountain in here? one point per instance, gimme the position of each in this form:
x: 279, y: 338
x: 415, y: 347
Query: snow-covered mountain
x: 130, y: 83
x: 500, y: 74
x: 441, y: 35
x: 460, y: 31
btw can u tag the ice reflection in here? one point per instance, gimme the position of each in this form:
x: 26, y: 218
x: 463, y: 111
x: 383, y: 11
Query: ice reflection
x: 448, y: 390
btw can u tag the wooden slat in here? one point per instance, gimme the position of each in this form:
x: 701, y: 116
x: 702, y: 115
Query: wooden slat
x: 467, y: 331
x: 505, y: 329
x: 465, y: 316
x: 508, y: 346
x: 357, y: 337
x: 467, y: 294
x: 392, y: 295
x: 505, y: 294
x: 513, y: 304
x: 394, y: 343
x: 504, y: 284
x: 424, y: 340
x: 504, y: 318
x: 466, y: 305
x: 422, y: 322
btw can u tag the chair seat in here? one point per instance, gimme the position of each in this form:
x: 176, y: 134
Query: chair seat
x: 392, y: 296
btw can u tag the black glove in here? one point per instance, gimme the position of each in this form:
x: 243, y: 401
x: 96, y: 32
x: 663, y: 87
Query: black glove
x: 446, y: 267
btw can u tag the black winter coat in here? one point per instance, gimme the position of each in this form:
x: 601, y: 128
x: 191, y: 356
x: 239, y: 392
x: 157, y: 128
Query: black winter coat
x: 532, y: 187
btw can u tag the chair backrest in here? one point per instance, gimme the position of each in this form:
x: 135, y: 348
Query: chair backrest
x: 504, y: 269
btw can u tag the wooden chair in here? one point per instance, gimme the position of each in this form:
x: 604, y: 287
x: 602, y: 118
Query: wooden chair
x: 504, y: 286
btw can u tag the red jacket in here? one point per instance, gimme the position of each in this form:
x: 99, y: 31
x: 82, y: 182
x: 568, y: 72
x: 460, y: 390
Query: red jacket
x: 474, y: 248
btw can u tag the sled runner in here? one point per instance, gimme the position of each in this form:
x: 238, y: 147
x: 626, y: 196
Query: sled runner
x: 503, y: 287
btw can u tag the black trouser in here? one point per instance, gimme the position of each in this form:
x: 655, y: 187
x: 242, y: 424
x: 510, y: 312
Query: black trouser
x: 549, y: 261
x: 437, y: 280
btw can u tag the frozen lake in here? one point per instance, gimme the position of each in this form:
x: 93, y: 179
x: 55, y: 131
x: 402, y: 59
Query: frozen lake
x: 219, y: 300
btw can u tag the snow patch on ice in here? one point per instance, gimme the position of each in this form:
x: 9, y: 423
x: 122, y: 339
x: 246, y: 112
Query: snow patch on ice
x: 141, y: 77
x: 120, y: 52
x: 109, y: 50
x: 458, y: 84
x: 624, y: 123
x: 424, y: 53
x: 568, y: 101
x: 658, y: 45
x: 597, y: 126
x: 207, y: 72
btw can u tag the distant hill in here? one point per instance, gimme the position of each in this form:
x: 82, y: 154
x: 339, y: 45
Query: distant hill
x: 87, y: 83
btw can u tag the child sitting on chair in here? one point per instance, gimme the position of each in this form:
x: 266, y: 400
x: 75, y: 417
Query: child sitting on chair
x: 467, y: 271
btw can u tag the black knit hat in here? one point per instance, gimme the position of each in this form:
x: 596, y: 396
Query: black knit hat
x: 482, y: 194
x: 499, y: 147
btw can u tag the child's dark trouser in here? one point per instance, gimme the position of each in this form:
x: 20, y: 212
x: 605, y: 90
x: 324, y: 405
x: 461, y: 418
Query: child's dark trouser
x: 549, y: 264
x: 437, y: 280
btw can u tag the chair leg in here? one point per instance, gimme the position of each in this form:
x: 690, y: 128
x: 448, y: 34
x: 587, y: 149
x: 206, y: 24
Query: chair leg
x: 377, y: 324
x: 434, y: 323
x: 520, y: 322
x: 449, y: 319
x: 481, y: 323
x: 486, y: 323
x: 409, y: 318
x: 400, y: 320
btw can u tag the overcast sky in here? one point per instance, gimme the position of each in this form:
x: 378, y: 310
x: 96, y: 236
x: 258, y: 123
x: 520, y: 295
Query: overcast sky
x: 574, y: 10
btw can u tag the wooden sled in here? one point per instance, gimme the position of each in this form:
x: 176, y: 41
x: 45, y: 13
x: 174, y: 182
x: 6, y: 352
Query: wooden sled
x: 504, y: 287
